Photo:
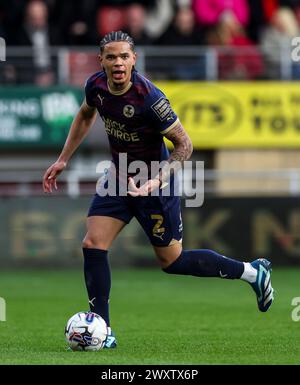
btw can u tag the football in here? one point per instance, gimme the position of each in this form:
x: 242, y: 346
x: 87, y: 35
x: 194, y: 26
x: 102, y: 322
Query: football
x: 86, y: 331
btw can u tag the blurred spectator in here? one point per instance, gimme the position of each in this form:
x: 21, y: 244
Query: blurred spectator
x: 276, y: 41
x: 159, y: 17
x: 8, y: 74
x: 2, y: 16
x: 294, y: 5
x: 209, y: 12
x: 135, y: 24
x: 110, y: 18
x: 11, y: 13
x: 155, y: 16
x: 35, y: 32
x: 258, y: 18
x: 76, y: 21
x: 183, y: 30
x: 238, y: 57
x: 112, y: 15
x: 268, y: 8
x: 262, y: 11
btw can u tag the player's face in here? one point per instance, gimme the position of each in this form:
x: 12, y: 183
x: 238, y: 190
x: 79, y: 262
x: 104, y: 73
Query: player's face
x: 117, y: 60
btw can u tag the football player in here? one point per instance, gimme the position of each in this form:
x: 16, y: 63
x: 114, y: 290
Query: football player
x: 137, y: 116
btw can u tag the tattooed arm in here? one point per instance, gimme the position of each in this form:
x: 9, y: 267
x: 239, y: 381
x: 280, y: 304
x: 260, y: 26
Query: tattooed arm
x: 183, y: 146
x: 183, y: 149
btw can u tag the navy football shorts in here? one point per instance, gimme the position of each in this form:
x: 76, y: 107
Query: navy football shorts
x: 159, y: 216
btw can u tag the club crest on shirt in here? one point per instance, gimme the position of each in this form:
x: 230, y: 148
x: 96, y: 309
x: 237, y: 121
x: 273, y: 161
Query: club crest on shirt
x: 128, y: 111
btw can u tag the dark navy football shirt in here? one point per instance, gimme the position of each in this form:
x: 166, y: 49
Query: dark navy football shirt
x: 135, y: 118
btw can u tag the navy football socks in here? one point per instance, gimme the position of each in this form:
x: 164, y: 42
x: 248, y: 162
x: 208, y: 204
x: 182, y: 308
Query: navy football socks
x: 98, y: 281
x: 199, y: 263
x: 205, y: 263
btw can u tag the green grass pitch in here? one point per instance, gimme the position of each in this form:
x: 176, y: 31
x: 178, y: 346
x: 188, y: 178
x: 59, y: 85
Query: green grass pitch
x: 158, y: 319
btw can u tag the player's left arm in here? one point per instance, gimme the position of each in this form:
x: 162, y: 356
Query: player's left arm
x: 183, y: 146
x: 183, y: 149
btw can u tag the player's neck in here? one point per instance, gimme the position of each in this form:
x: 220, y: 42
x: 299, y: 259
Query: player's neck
x: 118, y: 89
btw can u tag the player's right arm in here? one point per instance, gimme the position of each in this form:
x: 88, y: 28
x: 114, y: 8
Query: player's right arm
x: 79, y: 129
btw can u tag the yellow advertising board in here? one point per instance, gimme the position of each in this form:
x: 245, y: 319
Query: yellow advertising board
x: 237, y: 114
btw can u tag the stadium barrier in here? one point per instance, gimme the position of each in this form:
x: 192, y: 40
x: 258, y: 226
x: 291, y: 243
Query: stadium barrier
x: 72, y: 65
x: 48, y: 231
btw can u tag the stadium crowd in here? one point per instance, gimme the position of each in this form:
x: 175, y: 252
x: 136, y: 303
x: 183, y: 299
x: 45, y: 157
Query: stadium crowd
x: 257, y: 25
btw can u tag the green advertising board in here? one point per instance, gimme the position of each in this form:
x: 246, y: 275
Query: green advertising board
x: 32, y: 116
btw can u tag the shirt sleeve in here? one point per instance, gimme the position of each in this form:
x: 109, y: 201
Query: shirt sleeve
x: 88, y: 93
x: 159, y: 112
